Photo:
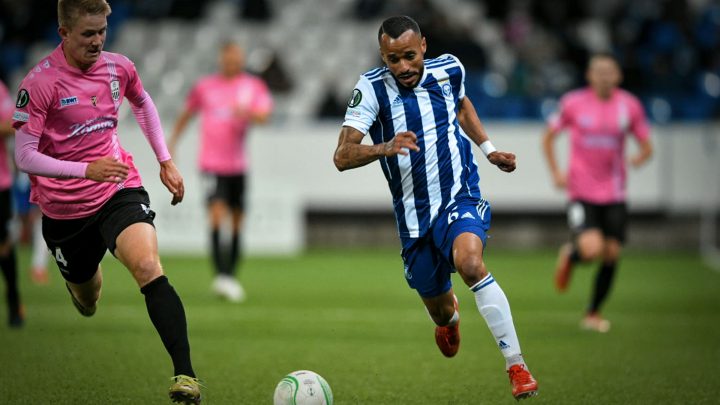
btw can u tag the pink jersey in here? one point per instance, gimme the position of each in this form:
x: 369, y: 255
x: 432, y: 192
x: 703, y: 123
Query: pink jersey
x: 75, y: 115
x: 597, y: 170
x: 6, y: 112
x: 218, y: 99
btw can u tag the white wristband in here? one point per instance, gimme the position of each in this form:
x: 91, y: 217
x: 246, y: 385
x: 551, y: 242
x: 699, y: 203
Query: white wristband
x: 487, y: 148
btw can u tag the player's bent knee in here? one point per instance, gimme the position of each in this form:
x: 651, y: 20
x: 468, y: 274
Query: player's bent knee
x: 471, y: 269
x: 146, y: 269
x: 591, y: 251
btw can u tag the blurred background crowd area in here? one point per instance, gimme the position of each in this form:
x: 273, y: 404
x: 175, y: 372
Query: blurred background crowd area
x: 520, y: 55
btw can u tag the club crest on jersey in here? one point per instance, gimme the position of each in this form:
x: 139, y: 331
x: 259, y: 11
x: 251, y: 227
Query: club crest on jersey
x: 93, y: 100
x: 446, y: 89
x: 23, y: 98
x: 115, y: 90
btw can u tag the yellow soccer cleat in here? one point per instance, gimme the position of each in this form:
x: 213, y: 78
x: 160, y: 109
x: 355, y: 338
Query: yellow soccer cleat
x: 185, y: 390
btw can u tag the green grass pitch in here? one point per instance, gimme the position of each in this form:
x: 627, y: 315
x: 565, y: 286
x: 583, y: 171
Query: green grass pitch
x: 349, y: 316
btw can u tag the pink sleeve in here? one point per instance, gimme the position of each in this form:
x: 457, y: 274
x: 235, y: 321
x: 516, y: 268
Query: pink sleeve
x: 263, y: 102
x: 134, y: 90
x: 29, y: 160
x: 194, y: 98
x: 558, y: 120
x: 148, y: 118
x: 35, y: 97
x: 638, y: 121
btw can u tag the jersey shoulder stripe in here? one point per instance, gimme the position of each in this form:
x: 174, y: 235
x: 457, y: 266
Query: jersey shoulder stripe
x: 376, y: 73
x: 441, y: 60
x: 440, y: 65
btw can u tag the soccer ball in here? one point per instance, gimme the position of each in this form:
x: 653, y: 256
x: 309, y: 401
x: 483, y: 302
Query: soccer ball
x: 303, y: 387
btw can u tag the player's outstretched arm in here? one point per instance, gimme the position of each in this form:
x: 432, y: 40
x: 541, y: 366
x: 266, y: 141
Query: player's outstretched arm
x: 351, y: 153
x: 172, y: 179
x: 178, y: 129
x: 470, y: 123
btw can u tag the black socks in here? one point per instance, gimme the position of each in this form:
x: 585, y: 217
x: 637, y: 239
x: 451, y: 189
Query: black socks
x: 225, y: 258
x: 168, y: 316
x: 603, y: 282
x: 8, y: 264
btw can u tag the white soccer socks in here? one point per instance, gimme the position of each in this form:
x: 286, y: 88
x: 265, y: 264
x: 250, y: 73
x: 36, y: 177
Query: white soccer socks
x: 494, y: 307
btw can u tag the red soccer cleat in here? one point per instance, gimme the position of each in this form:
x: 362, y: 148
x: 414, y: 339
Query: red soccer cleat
x: 523, y: 383
x: 448, y: 337
x: 564, y: 268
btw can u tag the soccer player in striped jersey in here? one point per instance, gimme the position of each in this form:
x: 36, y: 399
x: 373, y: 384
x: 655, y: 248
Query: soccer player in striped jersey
x: 422, y: 125
x: 599, y: 118
x: 86, y: 184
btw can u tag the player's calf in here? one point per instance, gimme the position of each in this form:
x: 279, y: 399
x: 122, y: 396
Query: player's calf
x: 86, y: 310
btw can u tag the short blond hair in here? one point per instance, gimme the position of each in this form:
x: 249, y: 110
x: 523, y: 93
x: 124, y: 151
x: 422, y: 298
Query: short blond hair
x: 69, y: 11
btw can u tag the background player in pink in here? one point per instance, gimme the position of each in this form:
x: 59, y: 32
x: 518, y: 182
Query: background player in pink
x: 228, y: 102
x: 86, y: 184
x: 599, y: 118
x: 8, y: 261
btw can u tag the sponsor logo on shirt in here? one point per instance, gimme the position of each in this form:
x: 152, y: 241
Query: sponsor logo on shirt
x: 21, y: 116
x: 64, y: 102
x: 115, y: 90
x: 92, y: 125
x: 397, y: 100
x: 93, y: 100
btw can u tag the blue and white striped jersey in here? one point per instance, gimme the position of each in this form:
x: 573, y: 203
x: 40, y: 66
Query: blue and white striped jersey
x: 443, y: 172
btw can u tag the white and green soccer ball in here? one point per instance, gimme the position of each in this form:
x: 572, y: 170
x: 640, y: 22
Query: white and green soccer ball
x: 303, y: 387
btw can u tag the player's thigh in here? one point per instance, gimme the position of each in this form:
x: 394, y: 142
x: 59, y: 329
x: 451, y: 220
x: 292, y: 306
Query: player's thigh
x: 614, y: 222
x: 612, y: 250
x: 217, y: 187
x: 585, y: 223
x: 125, y: 208
x: 470, y: 219
x: 237, y: 186
x: 137, y: 250
x: 425, y: 270
x: 76, y: 245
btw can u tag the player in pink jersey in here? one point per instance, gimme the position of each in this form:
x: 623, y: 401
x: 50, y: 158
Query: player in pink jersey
x: 599, y: 118
x: 229, y: 102
x: 8, y: 261
x: 86, y: 184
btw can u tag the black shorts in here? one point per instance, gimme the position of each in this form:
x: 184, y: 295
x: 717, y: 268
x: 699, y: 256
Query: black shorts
x: 79, y: 245
x: 611, y: 219
x: 227, y: 188
x: 5, y: 214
